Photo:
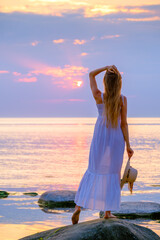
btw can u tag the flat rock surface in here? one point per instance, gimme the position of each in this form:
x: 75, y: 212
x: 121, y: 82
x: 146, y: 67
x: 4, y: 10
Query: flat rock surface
x: 134, y: 210
x: 139, y: 207
x: 100, y: 229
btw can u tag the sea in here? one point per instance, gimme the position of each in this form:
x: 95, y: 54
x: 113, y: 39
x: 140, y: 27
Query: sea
x: 48, y: 154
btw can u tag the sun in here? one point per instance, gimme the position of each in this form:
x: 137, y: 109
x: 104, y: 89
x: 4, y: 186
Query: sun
x: 79, y: 83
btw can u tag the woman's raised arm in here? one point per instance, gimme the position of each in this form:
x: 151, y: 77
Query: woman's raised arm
x: 93, y: 84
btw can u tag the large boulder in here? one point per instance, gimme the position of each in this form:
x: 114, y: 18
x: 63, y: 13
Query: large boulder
x: 57, y: 199
x: 100, y: 229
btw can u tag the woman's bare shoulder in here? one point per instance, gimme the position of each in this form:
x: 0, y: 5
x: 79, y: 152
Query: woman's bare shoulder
x: 123, y: 99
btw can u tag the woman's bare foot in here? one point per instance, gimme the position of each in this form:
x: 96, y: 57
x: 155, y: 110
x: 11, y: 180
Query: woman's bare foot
x: 112, y: 216
x: 75, y: 216
x: 108, y: 214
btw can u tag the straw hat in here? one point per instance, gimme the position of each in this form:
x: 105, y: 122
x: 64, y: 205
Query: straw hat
x: 129, y: 176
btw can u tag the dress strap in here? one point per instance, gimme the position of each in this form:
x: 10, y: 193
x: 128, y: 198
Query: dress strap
x: 102, y: 96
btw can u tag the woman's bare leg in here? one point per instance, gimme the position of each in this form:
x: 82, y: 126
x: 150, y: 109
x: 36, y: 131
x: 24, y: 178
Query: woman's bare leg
x: 75, y: 216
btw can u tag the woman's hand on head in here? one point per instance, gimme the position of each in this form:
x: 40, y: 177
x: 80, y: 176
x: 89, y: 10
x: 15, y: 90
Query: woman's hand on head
x: 130, y: 151
x: 112, y: 68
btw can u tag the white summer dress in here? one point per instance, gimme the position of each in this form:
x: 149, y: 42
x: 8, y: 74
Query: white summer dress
x: 100, y: 188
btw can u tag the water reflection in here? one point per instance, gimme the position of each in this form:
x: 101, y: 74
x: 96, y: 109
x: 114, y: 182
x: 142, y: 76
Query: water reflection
x: 39, y: 155
x: 17, y: 231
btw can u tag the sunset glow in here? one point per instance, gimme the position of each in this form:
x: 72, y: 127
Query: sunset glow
x: 62, y: 77
x: 77, y: 83
x: 49, y: 47
x: 89, y: 9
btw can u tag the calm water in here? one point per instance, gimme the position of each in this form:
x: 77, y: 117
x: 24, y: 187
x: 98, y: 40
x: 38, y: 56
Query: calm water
x: 52, y: 154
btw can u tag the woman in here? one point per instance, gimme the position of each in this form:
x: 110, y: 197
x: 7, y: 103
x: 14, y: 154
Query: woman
x: 100, y: 186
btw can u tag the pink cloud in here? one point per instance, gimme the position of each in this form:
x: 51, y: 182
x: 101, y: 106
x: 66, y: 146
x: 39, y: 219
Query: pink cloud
x: 110, y: 36
x: 139, y: 10
x: 93, y: 38
x: 33, y: 79
x: 57, y: 41
x: 69, y: 76
x: 79, y: 42
x: 35, y: 43
x: 84, y: 54
x: 62, y: 77
x: 3, y: 71
x: 68, y: 71
x: 147, y: 19
x: 16, y: 73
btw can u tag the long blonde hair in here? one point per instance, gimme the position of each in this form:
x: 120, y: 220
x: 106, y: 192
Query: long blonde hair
x: 112, y: 85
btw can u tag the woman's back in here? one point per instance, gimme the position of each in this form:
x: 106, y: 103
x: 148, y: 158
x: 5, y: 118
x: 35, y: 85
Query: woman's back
x: 100, y: 107
x: 107, y: 146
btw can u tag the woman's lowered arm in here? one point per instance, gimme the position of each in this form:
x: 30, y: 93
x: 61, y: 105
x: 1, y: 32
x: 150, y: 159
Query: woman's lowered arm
x: 124, y: 127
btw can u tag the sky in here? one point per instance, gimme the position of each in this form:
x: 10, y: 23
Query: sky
x: 49, y: 47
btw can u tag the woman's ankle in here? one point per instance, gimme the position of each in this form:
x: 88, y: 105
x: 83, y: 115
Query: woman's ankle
x: 107, y: 212
x: 77, y: 207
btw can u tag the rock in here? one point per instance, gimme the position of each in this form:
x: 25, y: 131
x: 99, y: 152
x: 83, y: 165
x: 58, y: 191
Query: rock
x: 32, y: 194
x: 3, y: 194
x: 100, y: 229
x: 57, y: 199
x: 134, y: 210
x: 130, y: 210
